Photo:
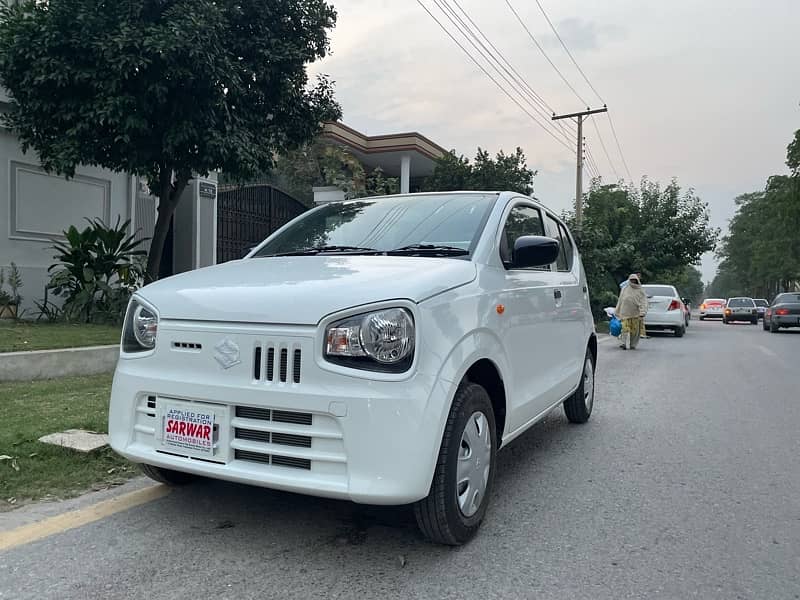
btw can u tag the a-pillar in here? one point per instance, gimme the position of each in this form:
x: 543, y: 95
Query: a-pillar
x: 405, y: 173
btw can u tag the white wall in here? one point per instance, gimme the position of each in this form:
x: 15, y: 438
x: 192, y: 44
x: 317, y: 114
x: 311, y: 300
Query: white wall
x: 35, y: 207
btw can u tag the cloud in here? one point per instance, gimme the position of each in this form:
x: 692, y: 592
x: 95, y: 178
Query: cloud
x: 581, y: 35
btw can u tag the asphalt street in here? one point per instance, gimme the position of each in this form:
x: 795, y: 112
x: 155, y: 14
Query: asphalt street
x: 684, y: 484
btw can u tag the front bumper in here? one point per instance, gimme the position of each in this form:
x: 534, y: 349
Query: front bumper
x: 308, y: 430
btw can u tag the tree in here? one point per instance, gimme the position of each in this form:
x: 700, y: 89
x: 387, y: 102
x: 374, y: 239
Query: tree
x: 656, y: 231
x: 760, y: 255
x: 504, y: 172
x: 165, y: 89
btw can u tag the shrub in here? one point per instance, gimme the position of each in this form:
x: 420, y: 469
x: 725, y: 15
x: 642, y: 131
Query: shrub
x: 97, y: 271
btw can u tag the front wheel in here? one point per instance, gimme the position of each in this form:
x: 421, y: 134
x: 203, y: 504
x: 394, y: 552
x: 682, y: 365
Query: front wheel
x: 456, y: 504
x: 578, y: 407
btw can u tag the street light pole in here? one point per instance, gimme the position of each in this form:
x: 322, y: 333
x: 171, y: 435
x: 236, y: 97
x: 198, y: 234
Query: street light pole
x: 579, y: 174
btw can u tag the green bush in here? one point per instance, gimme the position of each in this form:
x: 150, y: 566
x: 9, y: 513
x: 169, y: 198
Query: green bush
x: 97, y: 271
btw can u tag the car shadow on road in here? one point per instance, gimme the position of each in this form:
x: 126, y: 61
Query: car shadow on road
x: 253, y: 514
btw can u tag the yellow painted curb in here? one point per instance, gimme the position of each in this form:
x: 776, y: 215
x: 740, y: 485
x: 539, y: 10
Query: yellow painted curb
x: 76, y: 518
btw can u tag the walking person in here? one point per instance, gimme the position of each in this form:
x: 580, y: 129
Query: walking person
x: 631, y: 309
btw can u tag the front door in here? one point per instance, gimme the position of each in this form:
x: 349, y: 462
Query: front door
x: 530, y: 331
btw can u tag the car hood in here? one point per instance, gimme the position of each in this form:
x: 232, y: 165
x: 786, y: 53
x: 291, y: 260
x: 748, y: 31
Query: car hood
x: 301, y: 289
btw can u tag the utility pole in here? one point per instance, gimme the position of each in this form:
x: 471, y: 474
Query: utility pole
x: 579, y: 175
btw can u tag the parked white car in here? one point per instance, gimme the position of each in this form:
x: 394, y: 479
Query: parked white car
x: 665, y: 309
x: 379, y: 350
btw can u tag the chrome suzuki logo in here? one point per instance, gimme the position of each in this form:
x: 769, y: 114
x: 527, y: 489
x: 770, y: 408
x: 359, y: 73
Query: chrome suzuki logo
x: 226, y: 353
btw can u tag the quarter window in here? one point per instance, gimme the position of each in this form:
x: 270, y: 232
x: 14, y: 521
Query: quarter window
x: 569, y: 250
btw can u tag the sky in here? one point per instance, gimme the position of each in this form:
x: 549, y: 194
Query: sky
x: 706, y: 92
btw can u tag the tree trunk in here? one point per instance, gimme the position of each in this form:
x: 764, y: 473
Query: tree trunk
x: 168, y: 196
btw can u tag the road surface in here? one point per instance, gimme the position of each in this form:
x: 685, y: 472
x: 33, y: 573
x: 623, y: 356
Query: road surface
x: 685, y: 484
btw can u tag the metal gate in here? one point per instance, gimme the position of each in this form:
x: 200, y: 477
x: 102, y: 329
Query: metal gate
x: 246, y: 214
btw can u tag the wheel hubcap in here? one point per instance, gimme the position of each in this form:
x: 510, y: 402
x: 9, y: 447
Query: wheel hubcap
x: 474, y: 463
x: 588, y: 384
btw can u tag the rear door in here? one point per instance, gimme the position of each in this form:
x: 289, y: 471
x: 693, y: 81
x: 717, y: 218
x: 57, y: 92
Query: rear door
x: 570, y: 308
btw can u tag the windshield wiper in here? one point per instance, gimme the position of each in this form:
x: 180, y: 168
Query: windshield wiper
x: 427, y: 250
x: 330, y: 250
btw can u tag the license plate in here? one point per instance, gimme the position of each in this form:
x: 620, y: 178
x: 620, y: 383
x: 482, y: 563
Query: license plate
x: 191, y: 428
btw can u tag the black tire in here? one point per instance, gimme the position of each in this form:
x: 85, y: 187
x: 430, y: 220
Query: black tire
x: 773, y: 327
x: 167, y: 476
x: 754, y: 321
x: 764, y: 325
x: 680, y: 331
x: 702, y: 318
x: 724, y: 321
x: 576, y: 407
x: 439, y: 515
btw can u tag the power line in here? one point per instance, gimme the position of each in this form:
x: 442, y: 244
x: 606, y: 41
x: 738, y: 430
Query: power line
x: 485, y: 72
x: 605, y: 151
x: 589, y: 83
x: 621, y: 155
x: 563, y: 45
x: 539, y: 46
x: 493, y: 61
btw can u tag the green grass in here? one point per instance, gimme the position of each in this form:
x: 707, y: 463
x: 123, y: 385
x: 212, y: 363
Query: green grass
x: 32, y: 409
x: 17, y: 336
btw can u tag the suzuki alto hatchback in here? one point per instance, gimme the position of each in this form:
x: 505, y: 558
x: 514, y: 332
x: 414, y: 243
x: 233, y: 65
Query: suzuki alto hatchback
x: 379, y: 350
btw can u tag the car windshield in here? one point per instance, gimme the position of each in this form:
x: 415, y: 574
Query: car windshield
x: 740, y: 303
x: 783, y: 298
x: 659, y: 290
x: 417, y: 222
x: 761, y: 303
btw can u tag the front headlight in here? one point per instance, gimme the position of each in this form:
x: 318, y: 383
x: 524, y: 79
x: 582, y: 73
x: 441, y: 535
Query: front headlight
x: 141, y: 328
x: 378, y: 341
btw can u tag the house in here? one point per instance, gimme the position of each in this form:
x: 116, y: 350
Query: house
x: 408, y: 156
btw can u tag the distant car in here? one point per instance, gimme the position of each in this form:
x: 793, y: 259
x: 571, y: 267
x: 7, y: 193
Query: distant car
x: 783, y: 312
x: 712, y: 308
x: 761, y: 306
x: 740, y: 309
x: 666, y: 309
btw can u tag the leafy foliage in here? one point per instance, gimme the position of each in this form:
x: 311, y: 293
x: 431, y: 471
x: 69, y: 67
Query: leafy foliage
x: 505, y: 172
x: 760, y: 256
x: 10, y: 299
x: 658, y: 232
x: 164, y: 89
x: 97, y: 271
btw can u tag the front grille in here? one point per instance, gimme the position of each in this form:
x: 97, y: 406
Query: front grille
x: 252, y: 435
x: 249, y: 412
x: 288, y: 439
x: 278, y: 461
x: 265, y: 368
x: 284, y: 416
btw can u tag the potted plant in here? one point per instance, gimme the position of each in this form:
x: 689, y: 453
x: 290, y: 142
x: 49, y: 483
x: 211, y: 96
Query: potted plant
x: 10, y: 299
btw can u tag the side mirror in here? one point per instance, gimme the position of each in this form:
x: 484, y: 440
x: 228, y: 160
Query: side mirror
x: 534, y: 251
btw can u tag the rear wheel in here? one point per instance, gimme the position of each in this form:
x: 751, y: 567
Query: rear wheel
x: 702, y: 318
x: 680, y: 331
x: 764, y: 325
x: 167, y: 476
x: 774, y: 327
x: 578, y: 407
x: 754, y: 321
x: 462, y: 482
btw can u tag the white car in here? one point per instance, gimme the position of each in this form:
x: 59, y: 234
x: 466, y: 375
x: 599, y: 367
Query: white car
x: 665, y: 309
x: 379, y: 350
x: 712, y: 308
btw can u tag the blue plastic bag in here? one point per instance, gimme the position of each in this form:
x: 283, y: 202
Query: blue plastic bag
x: 615, y: 327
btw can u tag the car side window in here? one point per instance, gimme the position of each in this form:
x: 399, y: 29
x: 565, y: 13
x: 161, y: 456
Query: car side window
x: 522, y: 220
x: 552, y: 228
x: 569, y: 250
